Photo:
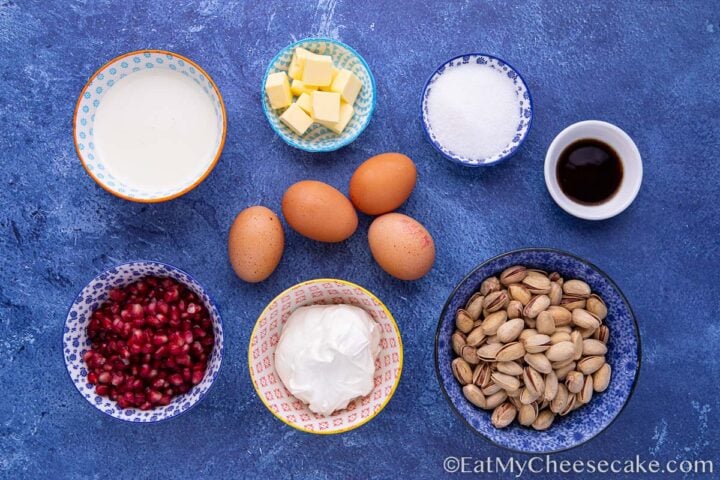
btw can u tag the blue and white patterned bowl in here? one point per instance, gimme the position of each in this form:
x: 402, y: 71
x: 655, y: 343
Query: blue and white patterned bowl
x: 318, y: 138
x: 524, y: 100
x: 103, y: 81
x: 623, y: 356
x: 76, y: 343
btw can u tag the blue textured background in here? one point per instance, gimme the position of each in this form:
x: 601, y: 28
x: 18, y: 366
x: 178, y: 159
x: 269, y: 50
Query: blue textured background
x: 650, y: 67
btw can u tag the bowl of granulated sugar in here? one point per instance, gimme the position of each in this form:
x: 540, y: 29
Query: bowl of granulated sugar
x: 476, y: 110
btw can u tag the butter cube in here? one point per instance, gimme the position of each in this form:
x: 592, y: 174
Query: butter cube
x: 317, y: 70
x: 277, y: 88
x: 328, y: 88
x: 304, y: 101
x: 297, y: 64
x: 326, y: 106
x: 296, y: 119
x: 346, y: 113
x: 347, y: 85
x: 298, y: 87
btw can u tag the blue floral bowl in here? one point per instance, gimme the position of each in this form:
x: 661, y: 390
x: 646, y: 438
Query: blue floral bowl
x: 318, y: 138
x: 623, y: 355
x: 524, y: 104
x: 76, y: 343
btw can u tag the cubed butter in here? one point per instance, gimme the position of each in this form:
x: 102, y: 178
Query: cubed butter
x: 297, y: 63
x: 298, y: 87
x: 347, y: 85
x: 317, y: 70
x: 326, y: 106
x: 346, y: 113
x: 304, y: 101
x: 296, y: 119
x: 278, y: 91
x: 328, y: 88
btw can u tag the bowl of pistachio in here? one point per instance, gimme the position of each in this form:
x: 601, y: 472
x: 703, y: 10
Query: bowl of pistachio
x: 537, y: 350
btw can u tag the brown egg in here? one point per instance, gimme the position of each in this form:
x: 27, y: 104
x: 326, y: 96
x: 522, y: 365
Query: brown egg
x: 255, y: 243
x: 401, y: 246
x: 382, y: 183
x: 318, y: 211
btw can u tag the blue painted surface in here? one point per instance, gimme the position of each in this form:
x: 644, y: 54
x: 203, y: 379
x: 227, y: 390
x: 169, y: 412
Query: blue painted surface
x: 649, y: 67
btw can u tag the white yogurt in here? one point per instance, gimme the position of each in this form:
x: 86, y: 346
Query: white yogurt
x: 156, y: 130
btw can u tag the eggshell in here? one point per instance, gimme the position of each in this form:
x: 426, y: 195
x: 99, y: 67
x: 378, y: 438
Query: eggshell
x: 318, y: 211
x: 382, y: 183
x: 401, y: 246
x: 255, y: 243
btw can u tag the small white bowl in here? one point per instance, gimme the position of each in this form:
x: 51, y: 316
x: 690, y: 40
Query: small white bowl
x: 626, y: 150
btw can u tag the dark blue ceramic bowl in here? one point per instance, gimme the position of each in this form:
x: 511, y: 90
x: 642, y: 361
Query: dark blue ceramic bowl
x: 623, y: 356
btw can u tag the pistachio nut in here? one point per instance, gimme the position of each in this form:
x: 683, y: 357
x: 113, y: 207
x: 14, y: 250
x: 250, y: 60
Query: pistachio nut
x: 492, y: 389
x: 584, y: 319
x: 463, y: 321
x: 561, y: 315
x: 519, y: 293
x: 496, y: 399
x: 594, y: 347
x: 503, y: 415
x: 576, y: 288
x: 481, y: 374
x: 514, y: 274
x: 489, y: 285
x: 560, y: 352
x: 510, y: 330
x: 509, y: 368
x: 551, y: 387
x: 537, y: 283
x: 474, y: 306
x: 533, y: 381
x: 458, y: 341
x: 558, y: 403
x: 493, y: 321
x: 544, y: 420
x: 537, y: 304
x: 510, y: 351
x: 538, y: 343
x: 507, y: 382
x: 488, y: 351
x: 514, y: 309
x: 476, y: 337
x: 596, y: 306
x: 469, y: 354
x: 539, y: 362
x: 577, y: 339
x: 570, y: 404
x: 602, y: 333
x: 527, y: 396
x: 590, y: 365
x: 560, y: 336
x: 571, y: 302
x: 574, y: 381
x: 462, y: 371
x: 562, y: 372
x: 545, y: 323
x: 475, y: 395
x: 527, y: 414
x: 586, y: 393
x: 555, y: 294
x: 601, y: 378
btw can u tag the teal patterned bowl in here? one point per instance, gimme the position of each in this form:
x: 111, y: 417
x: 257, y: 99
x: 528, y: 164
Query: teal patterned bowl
x: 318, y: 138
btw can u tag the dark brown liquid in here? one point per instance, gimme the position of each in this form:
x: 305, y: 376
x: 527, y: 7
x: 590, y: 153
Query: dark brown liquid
x: 589, y: 171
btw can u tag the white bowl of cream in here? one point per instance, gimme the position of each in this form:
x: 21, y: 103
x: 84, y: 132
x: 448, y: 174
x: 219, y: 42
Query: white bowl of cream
x: 149, y: 126
x: 276, y: 372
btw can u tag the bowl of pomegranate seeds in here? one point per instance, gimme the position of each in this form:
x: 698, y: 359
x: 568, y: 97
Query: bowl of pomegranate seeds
x: 143, y: 342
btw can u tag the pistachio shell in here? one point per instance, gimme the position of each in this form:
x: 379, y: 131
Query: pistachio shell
x: 577, y: 339
x: 533, y: 381
x: 536, y: 305
x: 544, y: 420
x: 496, y: 399
x: 569, y: 404
x: 514, y: 274
x: 602, y: 333
x: 463, y: 321
x: 507, y: 382
x: 545, y: 323
x: 509, y: 368
x: 469, y: 354
x: 462, y: 371
x: 576, y: 288
x: 537, y: 283
x: 489, y: 285
x: 560, y: 336
x: 510, y: 351
x: 475, y: 305
x: 492, y: 389
x: 572, y: 302
x: 596, y: 306
x: 574, y: 381
x: 539, y: 362
x: 555, y: 294
x: 562, y: 372
x: 527, y: 396
x: 594, y: 347
x: 503, y: 415
x: 551, y: 387
x: 519, y: 293
x: 584, y: 319
x: 558, y: 403
x: 590, y: 365
x: 537, y: 343
x: 561, y: 315
x: 488, y: 351
x: 514, y: 309
x: 586, y: 393
x: 476, y: 337
x: 493, y: 321
x: 510, y: 330
x: 474, y: 395
x: 601, y: 378
x: 527, y: 414
x: 496, y: 301
x: 481, y: 375
x: 560, y: 352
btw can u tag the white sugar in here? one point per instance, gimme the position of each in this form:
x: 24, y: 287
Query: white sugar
x: 473, y: 111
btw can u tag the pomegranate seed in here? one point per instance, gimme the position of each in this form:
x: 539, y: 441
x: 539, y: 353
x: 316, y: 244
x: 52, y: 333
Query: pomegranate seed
x: 160, y: 339
x: 164, y: 400
x: 92, y: 378
x: 154, y: 396
x: 102, y: 390
x: 197, y: 377
x: 146, y: 406
x: 117, y: 379
x: 176, y: 379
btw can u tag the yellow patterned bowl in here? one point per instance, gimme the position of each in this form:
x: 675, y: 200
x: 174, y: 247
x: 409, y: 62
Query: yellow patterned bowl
x: 265, y: 337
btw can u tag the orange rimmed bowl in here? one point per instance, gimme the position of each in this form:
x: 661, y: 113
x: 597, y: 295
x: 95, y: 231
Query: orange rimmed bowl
x: 146, y: 127
x: 265, y: 336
